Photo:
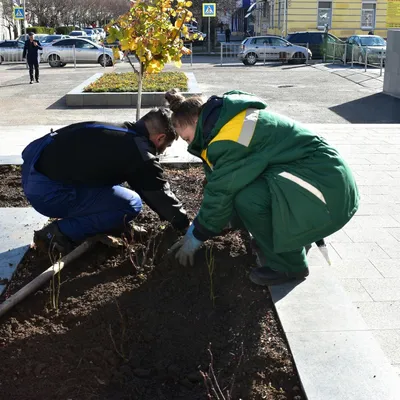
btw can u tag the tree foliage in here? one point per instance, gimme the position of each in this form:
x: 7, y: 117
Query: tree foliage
x: 153, y: 30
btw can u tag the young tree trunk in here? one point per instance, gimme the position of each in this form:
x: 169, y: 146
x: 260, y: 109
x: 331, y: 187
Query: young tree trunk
x: 139, y: 99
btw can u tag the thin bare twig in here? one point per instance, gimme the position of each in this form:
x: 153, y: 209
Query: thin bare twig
x: 236, y: 370
x: 211, y: 367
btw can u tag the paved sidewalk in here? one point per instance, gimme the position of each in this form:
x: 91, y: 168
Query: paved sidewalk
x: 366, y: 253
x: 370, y: 79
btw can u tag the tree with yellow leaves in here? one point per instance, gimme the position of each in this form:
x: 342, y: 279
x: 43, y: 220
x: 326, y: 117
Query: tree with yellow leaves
x: 153, y: 30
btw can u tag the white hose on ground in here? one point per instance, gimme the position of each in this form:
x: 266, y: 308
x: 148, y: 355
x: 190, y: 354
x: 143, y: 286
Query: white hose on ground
x: 44, y: 277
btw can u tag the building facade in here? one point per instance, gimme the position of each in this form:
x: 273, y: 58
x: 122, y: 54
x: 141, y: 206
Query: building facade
x: 344, y: 18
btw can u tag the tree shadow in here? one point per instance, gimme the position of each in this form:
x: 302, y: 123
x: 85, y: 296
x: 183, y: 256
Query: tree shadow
x: 378, y: 108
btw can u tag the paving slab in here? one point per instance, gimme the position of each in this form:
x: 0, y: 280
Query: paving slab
x: 16, y: 234
x: 336, y: 354
x: 380, y: 314
x: 15, y: 138
x: 343, y: 366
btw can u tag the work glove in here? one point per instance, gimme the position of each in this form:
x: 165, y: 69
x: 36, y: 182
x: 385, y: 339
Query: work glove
x: 187, y: 247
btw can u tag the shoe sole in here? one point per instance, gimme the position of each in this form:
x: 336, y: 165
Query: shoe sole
x: 265, y: 282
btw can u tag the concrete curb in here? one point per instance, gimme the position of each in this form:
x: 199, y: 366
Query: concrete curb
x: 77, y: 98
x: 336, y: 354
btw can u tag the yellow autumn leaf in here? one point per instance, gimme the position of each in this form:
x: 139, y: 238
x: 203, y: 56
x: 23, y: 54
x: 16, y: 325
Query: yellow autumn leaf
x: 188, y: 4
x: 178, y: 63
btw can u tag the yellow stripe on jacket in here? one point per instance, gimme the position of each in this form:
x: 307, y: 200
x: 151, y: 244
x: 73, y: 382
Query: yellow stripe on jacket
x: 239, y: 129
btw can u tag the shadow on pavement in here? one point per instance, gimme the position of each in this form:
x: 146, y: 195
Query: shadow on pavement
x: 15, y: 84
x: 378, y: 108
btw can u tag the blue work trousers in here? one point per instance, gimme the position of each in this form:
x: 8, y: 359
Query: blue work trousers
x: 83, y: 211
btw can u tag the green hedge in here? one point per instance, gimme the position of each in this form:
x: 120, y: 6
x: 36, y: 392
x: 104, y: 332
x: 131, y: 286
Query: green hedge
x: 64, y: 30
x: 40, y: 29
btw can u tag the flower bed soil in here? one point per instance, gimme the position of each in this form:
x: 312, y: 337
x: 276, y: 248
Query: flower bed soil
x: 141, y: 330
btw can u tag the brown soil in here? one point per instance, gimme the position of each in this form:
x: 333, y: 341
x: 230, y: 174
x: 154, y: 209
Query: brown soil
x: 132, y: 324
x: 11, y: 194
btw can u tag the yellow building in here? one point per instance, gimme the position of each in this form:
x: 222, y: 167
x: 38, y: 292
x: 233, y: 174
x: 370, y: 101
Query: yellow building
x: 344, y: 18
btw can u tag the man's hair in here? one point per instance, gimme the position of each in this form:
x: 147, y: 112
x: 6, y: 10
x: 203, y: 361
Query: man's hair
x: 31, y: 34
x: 158, y: 120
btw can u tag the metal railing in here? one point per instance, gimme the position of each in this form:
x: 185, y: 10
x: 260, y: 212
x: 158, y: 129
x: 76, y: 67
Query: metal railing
x: 367, y: 56
x: 230, y: 51
x: 266, y: 54
x: 189, y: 45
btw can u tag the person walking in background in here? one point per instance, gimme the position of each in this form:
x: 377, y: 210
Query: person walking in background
x: 227, y: 35
x: 31, y: 50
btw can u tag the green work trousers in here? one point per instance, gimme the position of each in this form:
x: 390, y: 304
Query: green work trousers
x: 253, y: 207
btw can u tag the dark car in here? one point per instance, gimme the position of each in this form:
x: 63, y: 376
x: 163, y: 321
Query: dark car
x: 315, y: 41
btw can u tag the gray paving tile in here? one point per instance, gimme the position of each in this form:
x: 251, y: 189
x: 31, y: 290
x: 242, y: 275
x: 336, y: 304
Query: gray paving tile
x: 355, y: 290
x: 382, y: 289
x: 359, y: 250
x: 370, y: 235
x: 389, y: 341
x: 343, y: 366
x: 373, y: 221
x: 338, y: 237
x: 388, y: 268
x: 355, y: 268
x: 317, y: 304
x: 380, y: 315
x: 16, y: 233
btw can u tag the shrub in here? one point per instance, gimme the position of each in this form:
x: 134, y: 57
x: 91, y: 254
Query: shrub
x: 64, y: 30
x: 40, y: 29
x: 128, y: 82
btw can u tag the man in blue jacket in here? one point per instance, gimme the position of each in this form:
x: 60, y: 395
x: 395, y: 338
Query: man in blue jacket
x: 31, y: 52
x: 75, y: 175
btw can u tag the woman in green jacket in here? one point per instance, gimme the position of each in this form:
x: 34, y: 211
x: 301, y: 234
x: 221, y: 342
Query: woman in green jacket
x: 287, y: 185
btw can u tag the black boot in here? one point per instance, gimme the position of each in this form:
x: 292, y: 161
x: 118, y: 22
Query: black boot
x: 265, y: 276
x: 51, y: 238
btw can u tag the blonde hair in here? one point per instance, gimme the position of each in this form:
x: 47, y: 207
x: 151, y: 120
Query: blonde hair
x: 185, y: 111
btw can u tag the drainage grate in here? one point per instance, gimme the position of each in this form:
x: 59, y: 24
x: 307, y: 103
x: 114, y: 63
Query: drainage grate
x: 284, y: 86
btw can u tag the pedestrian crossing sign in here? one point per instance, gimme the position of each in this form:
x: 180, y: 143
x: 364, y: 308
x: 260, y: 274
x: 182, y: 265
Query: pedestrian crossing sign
x: 19, y: 13
x: 209, y: 10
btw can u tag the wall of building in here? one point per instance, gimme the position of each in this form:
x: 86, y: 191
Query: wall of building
x: 344, y: 17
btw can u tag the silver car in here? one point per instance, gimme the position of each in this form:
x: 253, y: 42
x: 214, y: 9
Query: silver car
x: 11, y: 51
x: 271, y: 48
x: 61, y: 52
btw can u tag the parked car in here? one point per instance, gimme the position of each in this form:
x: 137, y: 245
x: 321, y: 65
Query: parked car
x: 91, y: 33
x: 102, y: 33
x: 39, y: 36
x: 315, y: 41
x: 11, y: 50
x: 359, y: 46
x: 258, y: 48
x: 52, y: 38
x: 78, y: 33
x: 59, y: 53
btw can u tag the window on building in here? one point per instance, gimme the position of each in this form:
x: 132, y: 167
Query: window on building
x: 324, y: 14
x: 272, y: 14
x: 281, y: 11
x: 264, y: 8
x: 368, y: 14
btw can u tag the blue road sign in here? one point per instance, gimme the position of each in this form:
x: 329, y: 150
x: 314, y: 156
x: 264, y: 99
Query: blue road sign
x: 19, y: 13
x: 209, y: 10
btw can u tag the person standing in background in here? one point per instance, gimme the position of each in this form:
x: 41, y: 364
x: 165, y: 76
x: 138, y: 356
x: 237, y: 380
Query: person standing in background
x: 31, y: 52
x: 227, y: 34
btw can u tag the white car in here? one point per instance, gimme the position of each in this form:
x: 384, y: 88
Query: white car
x: 102, y: 33
x: 61, y: 52
x: 78, y: 33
